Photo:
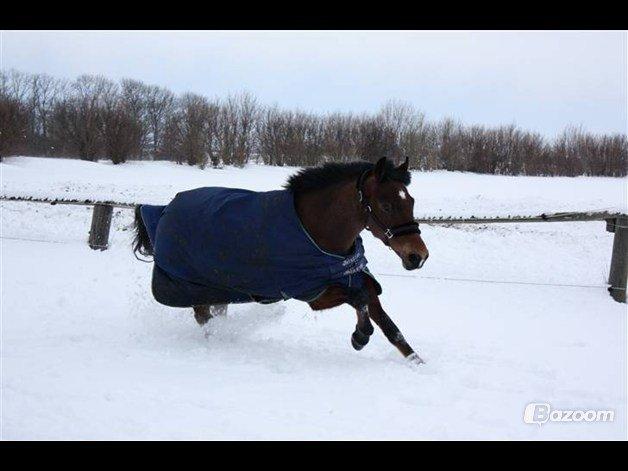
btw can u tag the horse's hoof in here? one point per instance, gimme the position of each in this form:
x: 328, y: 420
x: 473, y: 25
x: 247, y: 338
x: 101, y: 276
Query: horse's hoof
x: 359, y: 340
x: 202, y: 319
x: 414, y: 359
x: 356, y: 345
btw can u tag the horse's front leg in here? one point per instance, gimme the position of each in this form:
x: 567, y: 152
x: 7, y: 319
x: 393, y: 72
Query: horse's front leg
x: 388, y: 327
x: 336, y: 295
x: 363, y: 329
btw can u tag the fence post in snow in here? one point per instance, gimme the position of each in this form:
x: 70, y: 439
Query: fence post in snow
x: 619, y: 262
x: 101, y: 223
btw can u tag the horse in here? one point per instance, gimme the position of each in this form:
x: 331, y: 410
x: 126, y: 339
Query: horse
x: 214, y: 246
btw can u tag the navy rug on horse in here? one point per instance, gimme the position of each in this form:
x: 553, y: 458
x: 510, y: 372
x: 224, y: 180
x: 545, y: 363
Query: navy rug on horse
x: 218, y: 245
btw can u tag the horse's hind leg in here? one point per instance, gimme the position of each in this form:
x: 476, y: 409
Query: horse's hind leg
x: 205, y: 312
x: 202, y: 314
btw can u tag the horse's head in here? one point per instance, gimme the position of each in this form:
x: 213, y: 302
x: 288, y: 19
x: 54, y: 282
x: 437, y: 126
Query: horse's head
x: 389, y: 206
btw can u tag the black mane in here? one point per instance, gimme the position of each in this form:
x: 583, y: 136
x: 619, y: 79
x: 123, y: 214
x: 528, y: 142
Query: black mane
x: 331, y: 173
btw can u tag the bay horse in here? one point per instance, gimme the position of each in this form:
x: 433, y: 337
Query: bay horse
x: 215, y: 246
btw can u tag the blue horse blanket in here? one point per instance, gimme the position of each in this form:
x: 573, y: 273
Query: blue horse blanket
x: 249, y: 245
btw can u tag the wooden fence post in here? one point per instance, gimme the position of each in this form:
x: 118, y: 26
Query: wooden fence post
x: 619, y: 261
x: 101, y: 223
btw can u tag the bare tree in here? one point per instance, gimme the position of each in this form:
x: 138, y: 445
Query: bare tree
x: 78, y: 119
x: 212, y: 119
x: 135, y: 96
x: 236, y: 126
x: 45, y: 93
x: 159, y: 108
x: 13, y: 126
x: 122, y: 130
x: 449, y: 145
x: 375, y: 139
x: 189, y: 127
x: 290, y: 138
x: 407, y: 124
x: 17, y: 85
x: 339, y: 134
x: 271, y: 134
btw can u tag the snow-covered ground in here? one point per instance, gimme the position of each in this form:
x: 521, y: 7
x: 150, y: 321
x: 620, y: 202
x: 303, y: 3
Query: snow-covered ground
x: 88, y: 354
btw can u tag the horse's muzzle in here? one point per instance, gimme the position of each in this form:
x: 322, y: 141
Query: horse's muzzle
x: 414, y: 261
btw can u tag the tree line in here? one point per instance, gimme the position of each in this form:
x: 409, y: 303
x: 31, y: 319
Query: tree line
x: 93, y: 118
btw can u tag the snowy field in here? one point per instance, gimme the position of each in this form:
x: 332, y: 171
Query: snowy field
x: 88, y: 354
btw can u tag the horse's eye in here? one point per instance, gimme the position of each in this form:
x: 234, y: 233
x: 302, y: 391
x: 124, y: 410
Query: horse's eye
x: 386, y: 207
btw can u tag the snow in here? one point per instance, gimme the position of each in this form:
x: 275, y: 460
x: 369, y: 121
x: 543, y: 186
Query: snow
x: 88, y: 354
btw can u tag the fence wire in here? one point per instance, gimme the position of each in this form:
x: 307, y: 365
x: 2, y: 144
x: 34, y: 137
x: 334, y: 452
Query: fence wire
x: 397, y: 275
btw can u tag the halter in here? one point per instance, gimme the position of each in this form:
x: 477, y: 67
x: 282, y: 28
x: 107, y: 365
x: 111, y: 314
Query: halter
x: 389, y: 232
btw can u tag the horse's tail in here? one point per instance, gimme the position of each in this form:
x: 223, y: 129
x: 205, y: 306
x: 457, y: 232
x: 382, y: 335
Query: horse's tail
x: 141, y: 241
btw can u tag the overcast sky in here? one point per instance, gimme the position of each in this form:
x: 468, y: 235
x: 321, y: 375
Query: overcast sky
x: 542, y: 81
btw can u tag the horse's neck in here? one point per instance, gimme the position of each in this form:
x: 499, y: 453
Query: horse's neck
x: 332, y: 216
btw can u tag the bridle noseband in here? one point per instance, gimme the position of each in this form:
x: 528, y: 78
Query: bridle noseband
x: 389, y: 232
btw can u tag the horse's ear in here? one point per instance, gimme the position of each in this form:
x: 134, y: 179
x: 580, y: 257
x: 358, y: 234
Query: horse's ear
x: 404, y: 166
x: 380, y: 169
